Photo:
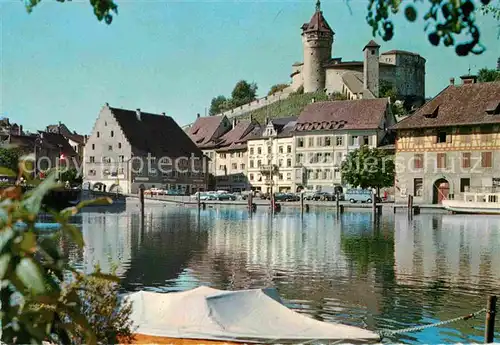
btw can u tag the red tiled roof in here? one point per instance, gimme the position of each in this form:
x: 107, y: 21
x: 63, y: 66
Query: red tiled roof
x: 467, y: 104
x: 372, y: 44
x: 236, y: 138
x: 354, y: 114
x: 204, y: 128
x: 317, y: 23
x: 395, y: 51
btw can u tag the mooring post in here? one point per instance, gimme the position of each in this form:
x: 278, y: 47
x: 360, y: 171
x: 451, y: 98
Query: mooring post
x: 250, y: 203
x: 301, y: 204
x: 374, y: 202
x: 489, y: 329
x: 337, y: 202
x: 141, y: 200
x: 198, y: 200
x: 410, y: 205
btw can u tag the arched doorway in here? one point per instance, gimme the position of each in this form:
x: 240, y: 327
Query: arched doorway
x: 115, y: 188
x: 440, y: 191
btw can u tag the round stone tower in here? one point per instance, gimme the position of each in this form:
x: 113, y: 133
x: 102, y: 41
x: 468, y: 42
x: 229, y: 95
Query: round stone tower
x: 317, y: 40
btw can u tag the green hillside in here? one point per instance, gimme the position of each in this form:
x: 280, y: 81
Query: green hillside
x: 291, y: 106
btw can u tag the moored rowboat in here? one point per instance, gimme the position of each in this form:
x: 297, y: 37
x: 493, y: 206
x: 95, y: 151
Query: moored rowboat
x: 474, y: 203
x: 209, y: 316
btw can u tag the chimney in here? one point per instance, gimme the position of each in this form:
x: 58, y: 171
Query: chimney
x: 59, y: 127
x: 468, y: 79
x: 138, y: 114
x: 198, y: 115
x: 107, y: 104
x: 452, y: 81
x: 164, y: 114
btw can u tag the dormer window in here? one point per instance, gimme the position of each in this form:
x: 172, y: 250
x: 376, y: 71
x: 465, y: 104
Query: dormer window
x: 493, y: 107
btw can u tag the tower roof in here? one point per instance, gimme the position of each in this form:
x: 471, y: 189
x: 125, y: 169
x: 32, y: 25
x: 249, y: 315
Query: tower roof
x: 317, y: 22
x: 372, y: 44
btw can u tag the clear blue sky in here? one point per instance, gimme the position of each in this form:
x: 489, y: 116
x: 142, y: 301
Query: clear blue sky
x: 60, y: 64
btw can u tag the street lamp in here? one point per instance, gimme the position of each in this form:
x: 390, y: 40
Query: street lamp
x: 38, y: 144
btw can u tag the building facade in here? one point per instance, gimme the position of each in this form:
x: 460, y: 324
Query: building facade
x: 450, y: 145
x: 271, y: 157
x: 128, y: 149
x: 326, y: 132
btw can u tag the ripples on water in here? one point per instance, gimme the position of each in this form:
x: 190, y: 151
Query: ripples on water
x: 390, y: 274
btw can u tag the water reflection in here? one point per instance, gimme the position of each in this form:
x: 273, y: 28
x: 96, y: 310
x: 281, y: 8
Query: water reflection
x: 389, y: 273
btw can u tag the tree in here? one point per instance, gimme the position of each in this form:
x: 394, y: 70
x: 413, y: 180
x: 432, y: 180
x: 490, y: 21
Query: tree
x: 243, y: 93
x: 217, y: 105
x: 486, y: 75
x: 9, y: 159
x: 277, y: 88
x: 368, y: 168
x: 446, y: 21
x: 103, y: 9
x: 32, y: 268
x: 72, y: 176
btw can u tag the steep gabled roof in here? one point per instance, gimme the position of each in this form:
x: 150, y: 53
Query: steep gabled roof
x: 159, y: 135
x: 203, y: 129
x: 283, y: 126
x: 63, y: 129
x: 354, y: 114
x: 236, y: 138
x: 468, y: 104
x: 317, y: 22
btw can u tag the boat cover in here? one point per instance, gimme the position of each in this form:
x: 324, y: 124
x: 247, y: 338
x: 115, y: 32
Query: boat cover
x: 251, y: 316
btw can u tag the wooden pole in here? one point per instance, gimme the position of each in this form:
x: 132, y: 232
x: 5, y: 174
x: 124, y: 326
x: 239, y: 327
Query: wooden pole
x: 489, y: 329
x: 337, y: 202
x: 141, y: 199
x: 301, y: 204
x: 374, y: 202
x: 198, y: 199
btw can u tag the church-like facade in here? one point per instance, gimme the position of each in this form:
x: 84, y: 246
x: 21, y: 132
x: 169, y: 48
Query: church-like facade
x: 319, y: 71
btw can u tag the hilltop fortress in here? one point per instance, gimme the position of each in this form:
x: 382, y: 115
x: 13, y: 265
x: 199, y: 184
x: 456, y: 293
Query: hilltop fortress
x: 320, y: 72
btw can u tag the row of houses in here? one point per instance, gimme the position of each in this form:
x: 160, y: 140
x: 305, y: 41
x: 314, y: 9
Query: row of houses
x: 448, y: 146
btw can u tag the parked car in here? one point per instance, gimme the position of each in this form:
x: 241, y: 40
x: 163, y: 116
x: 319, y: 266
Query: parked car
x: 360, y: 195
x: 323, y: 196
x: 224, y: 196
x: 286, y: 197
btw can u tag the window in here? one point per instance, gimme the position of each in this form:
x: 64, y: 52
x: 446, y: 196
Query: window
x: 269, y: 150
x: 288, y: 163
x: 298, y: 174
x: 268, y: 162
x: 106, y: 160
x: 112, y: 133
x: 418, y: 162
x: 280, y: 176
x: 328, y: 157
x: 464, y: 185
x: 354, y: 140
x: 259, y: 150
x: 105, y: 123
x: 418, y: 186
x: 280, y: 149
x: 119, y: 145
x: 222, y: 155
x: 110, y: 147
x: 319, y: 141
x: 98, y: 134
x: 339, y: 141
x: 92, y: 172
x: 466, y: 160
x: 121, y: 158
x: 251, y: 150
x: 92, y: 159
x: 280, y: 163
x: 339, y: 158
x: 486, y: 159
x: 328, y: 141
x: 300, y: 142
x: 242, y: 166
x: 289, y: 149
x: 259, y: 163
x: 443, y: 137
x: 299, y: 157
x: 251, y: 163
x: 251, y: 177
x: 222, y: 167
x: 366, y: 140
x: 234, y: 166
x: 288, y: 176
x: 441, y: 160
x: 310, y: 142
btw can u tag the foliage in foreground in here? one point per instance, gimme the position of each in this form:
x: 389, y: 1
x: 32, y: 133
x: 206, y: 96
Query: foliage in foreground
x: 487, y: 75
x: 32, y: 272
x: 368, y: 168
x: 108, y: 316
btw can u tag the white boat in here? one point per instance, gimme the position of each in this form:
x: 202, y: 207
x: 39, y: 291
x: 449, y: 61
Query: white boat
x: 475, y: 203
x: 209, y: 316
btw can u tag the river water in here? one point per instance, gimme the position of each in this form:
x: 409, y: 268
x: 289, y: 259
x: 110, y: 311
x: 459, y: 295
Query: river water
x: 387, y: 274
